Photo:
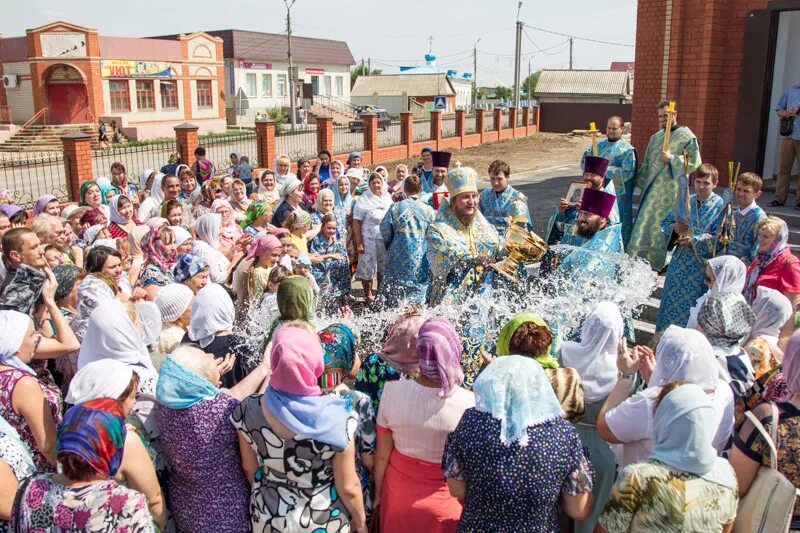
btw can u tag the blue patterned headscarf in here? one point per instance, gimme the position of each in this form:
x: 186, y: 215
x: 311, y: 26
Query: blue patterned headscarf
x: 95, y: 432
x: 516, y: 391
x: 339, y: 346
x: 179, y: 388
x: 187, y: 266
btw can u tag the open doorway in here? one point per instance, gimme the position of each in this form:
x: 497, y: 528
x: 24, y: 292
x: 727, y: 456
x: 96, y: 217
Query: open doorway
x: 786, y: 73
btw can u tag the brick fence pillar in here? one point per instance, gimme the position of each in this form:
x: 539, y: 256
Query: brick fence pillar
x: 187, y: 142
x: 535, y: 112
x: 512, y: 120
x: 461, y: 123
x: 370, y: 136
x: 526, y: 118
x: 325, y: 134
x: 436, y: 127
x: 265, y: 142
x: 77, y: 162
x: 407, y: 129
x: 480, y: 121
x: 498, y: 119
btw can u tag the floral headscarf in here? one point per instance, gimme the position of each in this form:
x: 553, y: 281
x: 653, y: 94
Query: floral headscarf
x: 339, y: 346
x: 155, y: 252
x: 94, y: 431
x: 187, y: 266
x: 254, y: 210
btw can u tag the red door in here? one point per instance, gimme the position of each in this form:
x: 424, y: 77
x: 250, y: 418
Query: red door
x: 69, y: 103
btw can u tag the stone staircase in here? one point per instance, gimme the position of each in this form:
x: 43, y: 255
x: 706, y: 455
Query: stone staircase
x: 321, y: 110
x: 39, y: 138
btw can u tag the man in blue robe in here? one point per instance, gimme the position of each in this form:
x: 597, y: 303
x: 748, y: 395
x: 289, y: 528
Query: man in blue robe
x: 501, y: 200
x: 695, y: 242
x: 424, y: 169
x: 403, y: 228
x: 434, y: 191
x: 622, y: 166
x: 561, y: 226
x: 746, y: 216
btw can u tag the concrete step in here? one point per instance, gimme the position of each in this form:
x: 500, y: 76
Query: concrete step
x: 644, y: 332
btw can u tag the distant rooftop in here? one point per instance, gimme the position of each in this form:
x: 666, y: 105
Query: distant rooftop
x: 403, y: 84
x: 622, y: 65
x: 584, y: 82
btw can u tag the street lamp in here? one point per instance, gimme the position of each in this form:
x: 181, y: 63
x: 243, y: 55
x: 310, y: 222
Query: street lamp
x: 292, y: 97
x: 529, y: 80
x: 475, y: 74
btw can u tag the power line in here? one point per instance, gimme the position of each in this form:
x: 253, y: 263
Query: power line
x: 545, y: 50
x: 580, y: 38
x: 404, y: 36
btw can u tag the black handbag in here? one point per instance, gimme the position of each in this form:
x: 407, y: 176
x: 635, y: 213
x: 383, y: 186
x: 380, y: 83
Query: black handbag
x: 787, y: 126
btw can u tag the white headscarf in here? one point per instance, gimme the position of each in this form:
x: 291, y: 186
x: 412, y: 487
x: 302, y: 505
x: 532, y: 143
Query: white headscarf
x: 288, y: 186
x: 280, y: 178
x: 772, y: 310
x: 91, y: 233
x: 104, y: 378
x: 595, y: 357
x: 14, y: 326
x: 730, y: 276
x: 212, y: 311
x: 91, y: 293
x: 369, y: 200
x: 113, y: 205
x: 150, y: 316
x: 685, y: 355
x: 181, y: 235
x: 108, y: 243
x: 207, y: 228
x: 154, y: 201
x: 111, y: 335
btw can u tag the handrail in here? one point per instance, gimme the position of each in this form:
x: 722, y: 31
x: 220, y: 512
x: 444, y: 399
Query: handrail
x: 337, y: 104
x: 35, y: 117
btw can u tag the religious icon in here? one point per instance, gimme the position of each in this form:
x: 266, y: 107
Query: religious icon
x: 575, y: 191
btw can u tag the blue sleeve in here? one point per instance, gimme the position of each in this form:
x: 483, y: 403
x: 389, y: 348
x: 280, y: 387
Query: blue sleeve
x: 783, y: 103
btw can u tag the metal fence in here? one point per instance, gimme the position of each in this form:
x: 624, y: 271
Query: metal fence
x: 297, y: 144
x: 29, y: 176
x: 422, y: 130
x: 520, y: 119
x: 470, y: 124
x: 136, y: 159
x: 220, y: 147
x: 345, y: 141
x: 448, y: 127
x: 488, y: 123
x: 392, y: 135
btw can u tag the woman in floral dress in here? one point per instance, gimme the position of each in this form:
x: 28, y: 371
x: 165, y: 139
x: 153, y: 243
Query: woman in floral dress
x: 297, y: 445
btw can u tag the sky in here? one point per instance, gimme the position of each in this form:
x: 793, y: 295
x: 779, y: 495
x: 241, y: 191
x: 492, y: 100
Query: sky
x: 390, y: 33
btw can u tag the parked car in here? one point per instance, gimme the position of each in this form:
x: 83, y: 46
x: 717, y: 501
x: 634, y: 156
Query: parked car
x: 383, y: 120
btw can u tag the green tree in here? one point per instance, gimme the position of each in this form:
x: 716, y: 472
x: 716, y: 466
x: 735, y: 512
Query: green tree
x: 276, y: 114
x: 529, y: 83
x: 503, y: 92
x: 362, y: 70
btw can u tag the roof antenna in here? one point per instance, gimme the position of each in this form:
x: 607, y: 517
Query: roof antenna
x: 430, y: 44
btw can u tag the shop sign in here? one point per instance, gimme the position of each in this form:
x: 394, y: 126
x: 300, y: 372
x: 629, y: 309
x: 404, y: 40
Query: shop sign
x: 255, y: 66
x: 118, y: 68
x: 315, y: 71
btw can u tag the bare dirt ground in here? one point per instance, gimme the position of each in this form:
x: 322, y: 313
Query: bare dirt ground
x: 543, y: 150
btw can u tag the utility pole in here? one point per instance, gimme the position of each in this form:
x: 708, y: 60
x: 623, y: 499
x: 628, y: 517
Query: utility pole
x: 529, y: 80
x: 292, y: 96
x: 570, y: 53
x: 517, y: 57
x: 369, y: 66
x: 475, y: 74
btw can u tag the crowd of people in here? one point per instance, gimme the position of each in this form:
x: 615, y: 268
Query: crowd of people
x: 181, y: 356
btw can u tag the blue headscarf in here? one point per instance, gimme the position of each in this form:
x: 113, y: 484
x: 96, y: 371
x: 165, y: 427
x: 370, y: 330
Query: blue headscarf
x: 343, y: 204
x: 683, y: 429
x: 178, y: 388
x: 94, y: 431
x: 186, y: 266
x: 516, y: 391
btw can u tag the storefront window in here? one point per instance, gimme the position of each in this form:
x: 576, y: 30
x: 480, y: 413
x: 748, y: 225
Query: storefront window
x: 205, y: 98
x: 169, y: 95
x: 339, y: 86
x: 250, y: 85
x: 266, y: 85
x: 282, y: 85
x: 145, y: 95
x: 119, y: 94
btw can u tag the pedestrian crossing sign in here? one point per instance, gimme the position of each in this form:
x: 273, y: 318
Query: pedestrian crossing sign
x: 440, y: 102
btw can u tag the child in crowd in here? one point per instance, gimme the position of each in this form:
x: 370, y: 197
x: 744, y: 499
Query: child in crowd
x: 269, y: 303
x: 302, y: 267
x: 299, y: 223
x: 202, y: 167
x: 331, y: 267
x: 748, y: 213
x: 175, y: 213
x: 265, y: 252
x: 245, y: 173
x: 290, y: 255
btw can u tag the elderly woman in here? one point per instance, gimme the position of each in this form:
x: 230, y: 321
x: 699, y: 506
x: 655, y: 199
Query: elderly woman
x: 122, y: 222
x: 502, y: 440
x: 725, y: 273
x: 16, y: 466
x: 47, y: 204
x: 681, y: 355
x: 293, y: 419
x: 174, y: 302
x: 774, y: 266
x: 207, y: 247
x: 324, y: 204
x: 291, y: 196
x: 267, y: 190
x: 209, y: 192
x: 184, y: 241
x: 107, y: 378
x: 200, y: 444
x: 90, y: 450
x: 414, y: 419
x: 726, y: 320
x: 751, y: 450
x: 239, y: 200
x: 93, y: 196
x: 682, y: 467
x: 191, y: 270
x: 341, y: 362
x: 230, y: 232
x: 29, y: 405
x: 529, y: 335
x: 397, y: 356
x: 595, y: 360
x: 368, y: 212
x: 159, y: 249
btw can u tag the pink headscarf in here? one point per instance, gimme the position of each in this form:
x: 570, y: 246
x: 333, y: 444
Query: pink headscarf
x: 400, y: 347
x: 263, y: 245
x: 154, y: 250
x: 296, y: 362
x: 439, y: 351
x: 232, y: 231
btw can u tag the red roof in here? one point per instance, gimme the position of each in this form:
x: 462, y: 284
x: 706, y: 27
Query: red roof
x: 622, y: 66
x: 140, y: 49
x: 13, y: 49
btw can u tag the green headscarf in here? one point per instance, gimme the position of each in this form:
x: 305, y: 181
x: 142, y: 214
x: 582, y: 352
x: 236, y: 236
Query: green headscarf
x: 85, y: 187
x: 511, y: 327
x: 296, y: 299
x: 254, y: 210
